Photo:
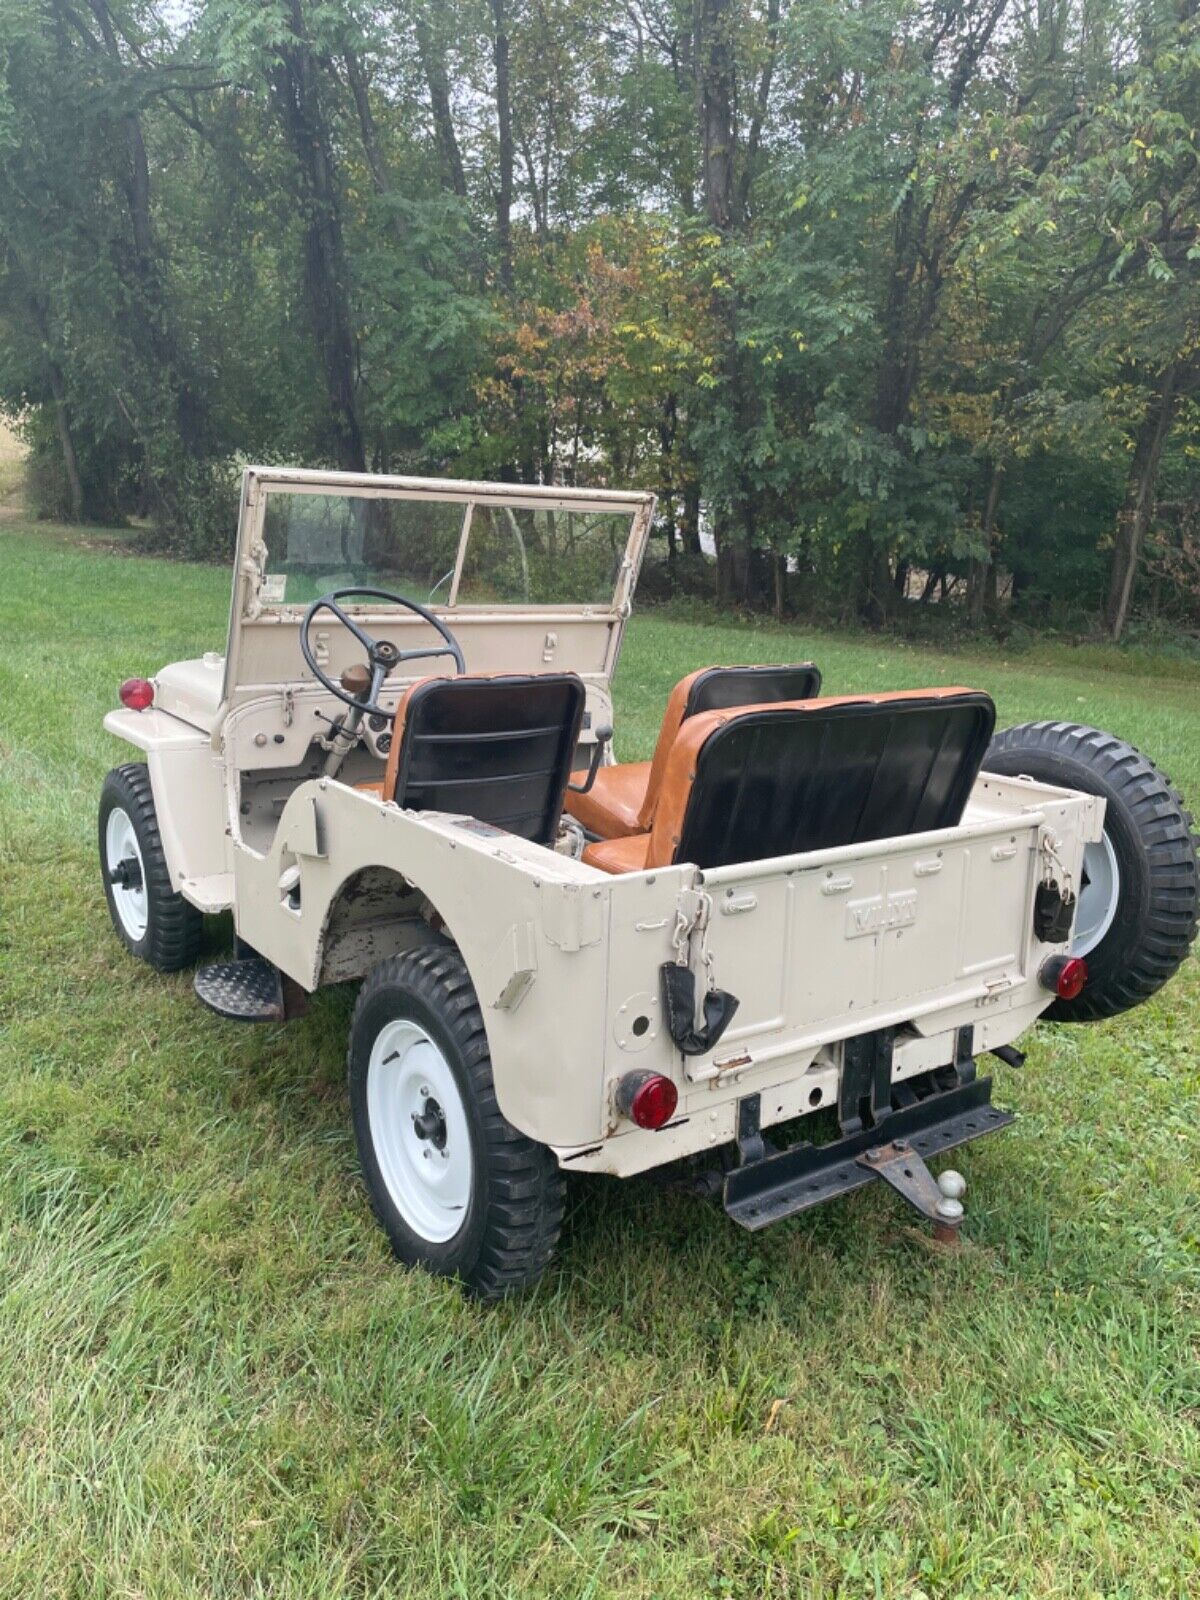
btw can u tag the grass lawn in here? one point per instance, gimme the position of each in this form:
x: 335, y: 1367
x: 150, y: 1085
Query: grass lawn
x: 214, y: 1382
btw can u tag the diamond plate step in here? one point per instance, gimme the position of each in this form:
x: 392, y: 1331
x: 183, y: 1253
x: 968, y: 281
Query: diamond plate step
x: 250, y: 990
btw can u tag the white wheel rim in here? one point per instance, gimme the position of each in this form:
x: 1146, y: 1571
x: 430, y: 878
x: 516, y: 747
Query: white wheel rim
x: 1099, y: 896
x: 121, y: 844
x: 428, y: 1177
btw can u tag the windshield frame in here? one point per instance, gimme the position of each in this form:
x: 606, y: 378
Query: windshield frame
x: 260, y: 484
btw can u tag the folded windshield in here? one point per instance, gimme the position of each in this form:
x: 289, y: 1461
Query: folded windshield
x: 454, y: 552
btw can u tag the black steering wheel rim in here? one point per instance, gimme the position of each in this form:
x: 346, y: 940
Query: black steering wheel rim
x: 381, y: 653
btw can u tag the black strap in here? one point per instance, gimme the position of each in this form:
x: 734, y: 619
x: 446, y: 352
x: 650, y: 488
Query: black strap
x: 679, y: 1003
x: 1053, y: 913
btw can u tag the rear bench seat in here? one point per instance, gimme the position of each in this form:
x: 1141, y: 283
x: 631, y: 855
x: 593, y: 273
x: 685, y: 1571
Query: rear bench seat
x: 777, y: 780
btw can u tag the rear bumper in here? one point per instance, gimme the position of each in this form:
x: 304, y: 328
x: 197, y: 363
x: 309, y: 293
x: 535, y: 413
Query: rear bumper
x: 785, y: 1182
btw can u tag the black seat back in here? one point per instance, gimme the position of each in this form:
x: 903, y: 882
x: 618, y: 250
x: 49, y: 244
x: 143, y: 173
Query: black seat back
x: 496, y: 749
x: 783, y: 781
x: 723, y: 688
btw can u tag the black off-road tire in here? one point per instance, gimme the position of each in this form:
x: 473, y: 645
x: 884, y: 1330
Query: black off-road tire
x: 1156, y: 852
x: 514, y: 1214
x: 174, y: 927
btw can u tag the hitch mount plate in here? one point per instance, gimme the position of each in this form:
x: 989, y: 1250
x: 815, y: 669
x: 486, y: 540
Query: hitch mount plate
x: 792, y: 1180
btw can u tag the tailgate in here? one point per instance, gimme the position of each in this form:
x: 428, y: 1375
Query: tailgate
x: 841, y: 942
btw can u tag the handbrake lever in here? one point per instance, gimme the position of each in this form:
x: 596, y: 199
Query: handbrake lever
x: 603, y: 737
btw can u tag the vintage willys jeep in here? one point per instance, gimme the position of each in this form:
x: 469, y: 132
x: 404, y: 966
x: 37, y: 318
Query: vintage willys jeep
x: 399, y: 772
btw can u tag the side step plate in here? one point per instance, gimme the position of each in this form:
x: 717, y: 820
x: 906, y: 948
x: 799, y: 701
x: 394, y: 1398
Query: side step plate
x: 807, y: 1175
x: 250, y: 990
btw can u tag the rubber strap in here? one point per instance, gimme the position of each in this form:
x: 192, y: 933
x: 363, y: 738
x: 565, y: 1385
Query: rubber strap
x: 679, y: 1003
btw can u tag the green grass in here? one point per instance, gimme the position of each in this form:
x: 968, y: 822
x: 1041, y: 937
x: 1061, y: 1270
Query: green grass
x: 214, y: 1382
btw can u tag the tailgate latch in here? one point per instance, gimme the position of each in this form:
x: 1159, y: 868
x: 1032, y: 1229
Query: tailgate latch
x: 693, y: 1036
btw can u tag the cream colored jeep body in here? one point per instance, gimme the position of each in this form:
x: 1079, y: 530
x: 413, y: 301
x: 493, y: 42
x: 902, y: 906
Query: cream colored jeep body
x: 927, y: 941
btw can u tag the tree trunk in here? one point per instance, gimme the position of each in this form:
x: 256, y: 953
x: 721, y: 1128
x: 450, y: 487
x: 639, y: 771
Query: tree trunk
x: 58, y: 390
x: 295, y: 84
x: 368, y: 132
x: 983, y: 572
x: 689, y: 520
x: 779, y: 573
x: 877, y: 597
x: 717, y: 87
x: 717, y: 70
x: 66, y: 441
x: 1135, y: 514
x: 150, y: 312
x: 433, y: 63
x: 504, y: 133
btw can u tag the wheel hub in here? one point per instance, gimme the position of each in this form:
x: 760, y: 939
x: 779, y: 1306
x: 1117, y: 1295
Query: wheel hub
x: 419, y: 1130
x: 430, y: 1124
x: 126, y: 873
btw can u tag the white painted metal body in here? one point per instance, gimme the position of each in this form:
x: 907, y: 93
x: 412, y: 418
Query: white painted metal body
x: 922, y: 934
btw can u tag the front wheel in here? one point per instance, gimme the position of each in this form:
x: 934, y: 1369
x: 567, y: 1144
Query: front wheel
x: 1136, y: 916
x: 456, y: 1188
x: 153, y: 922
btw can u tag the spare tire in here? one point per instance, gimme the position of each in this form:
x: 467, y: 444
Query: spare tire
x: 1138, y: 893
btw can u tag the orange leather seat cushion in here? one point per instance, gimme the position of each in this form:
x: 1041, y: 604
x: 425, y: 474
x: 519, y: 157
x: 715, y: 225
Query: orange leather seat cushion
x: 632, y: 786
x: 612, y: 807
x: 619, y: 855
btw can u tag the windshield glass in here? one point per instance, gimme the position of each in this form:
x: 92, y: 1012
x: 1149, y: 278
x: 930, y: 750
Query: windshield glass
x: 440, y: 552
x: 319, y: 542
x: 542, y: 557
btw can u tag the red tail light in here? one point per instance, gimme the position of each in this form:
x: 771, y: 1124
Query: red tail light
x: 1065, y: 975
x: 136, y: 693
x: 647, y: 1098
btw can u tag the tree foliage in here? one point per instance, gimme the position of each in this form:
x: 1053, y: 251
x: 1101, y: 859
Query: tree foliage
x: 895, y: 302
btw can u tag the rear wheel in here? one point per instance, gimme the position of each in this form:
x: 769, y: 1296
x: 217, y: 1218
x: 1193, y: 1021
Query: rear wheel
x: 153, y: 922
x: 1137, y: 910
x: 455, y: 1186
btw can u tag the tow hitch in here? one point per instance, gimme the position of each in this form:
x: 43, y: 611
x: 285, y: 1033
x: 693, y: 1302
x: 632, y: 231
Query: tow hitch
x: 894, y: 1147
x: 938, y: 1199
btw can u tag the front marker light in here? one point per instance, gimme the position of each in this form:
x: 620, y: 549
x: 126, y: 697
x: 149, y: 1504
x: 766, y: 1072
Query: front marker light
x: 136, y: 693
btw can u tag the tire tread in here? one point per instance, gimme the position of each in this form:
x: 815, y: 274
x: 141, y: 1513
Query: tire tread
x: 525, y: 1199
x: 1164, y: 826
x: 175, y: 928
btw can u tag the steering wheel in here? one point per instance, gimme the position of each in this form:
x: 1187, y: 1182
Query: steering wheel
x: 382, y: 655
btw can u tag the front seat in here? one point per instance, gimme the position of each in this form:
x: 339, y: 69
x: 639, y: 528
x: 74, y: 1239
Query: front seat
x: 781, y: 780
x: 498, y: 749
x: 622, y: 799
